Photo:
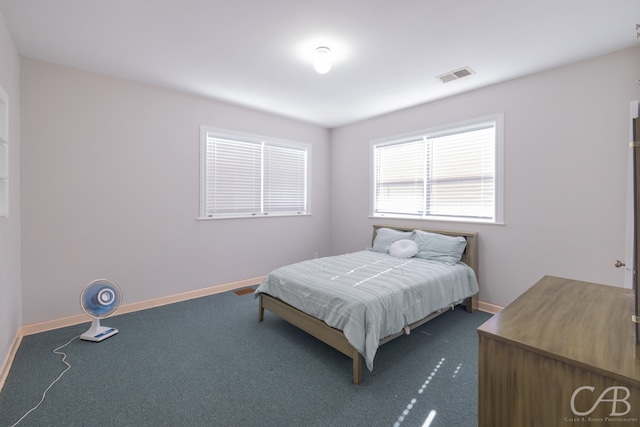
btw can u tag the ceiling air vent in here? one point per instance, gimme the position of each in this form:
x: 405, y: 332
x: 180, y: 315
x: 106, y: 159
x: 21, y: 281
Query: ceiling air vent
x: 455, y: 75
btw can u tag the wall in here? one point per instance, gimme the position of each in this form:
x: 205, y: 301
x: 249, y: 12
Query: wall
x: 10, y: 293
x: 110, y: 185
x: 566, y: 147
x: 111, y: 190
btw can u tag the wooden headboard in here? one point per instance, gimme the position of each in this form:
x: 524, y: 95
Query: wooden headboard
x: 469, y: 256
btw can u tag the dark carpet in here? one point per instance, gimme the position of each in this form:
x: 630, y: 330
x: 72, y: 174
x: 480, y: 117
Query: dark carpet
x: 209, y: 362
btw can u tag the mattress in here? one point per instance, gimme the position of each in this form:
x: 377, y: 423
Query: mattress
x: 370, y: 295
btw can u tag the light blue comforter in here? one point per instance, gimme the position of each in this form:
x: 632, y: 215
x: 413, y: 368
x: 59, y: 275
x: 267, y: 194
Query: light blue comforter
x: 370, y: 295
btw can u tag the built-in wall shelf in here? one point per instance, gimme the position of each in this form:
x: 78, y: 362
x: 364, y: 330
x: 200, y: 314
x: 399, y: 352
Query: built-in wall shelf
x: 4, y: 153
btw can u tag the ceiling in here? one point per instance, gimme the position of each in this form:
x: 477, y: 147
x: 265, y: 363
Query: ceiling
x: 257, y: 53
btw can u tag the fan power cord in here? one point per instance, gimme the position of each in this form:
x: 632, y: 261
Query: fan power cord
x: 44, y: 394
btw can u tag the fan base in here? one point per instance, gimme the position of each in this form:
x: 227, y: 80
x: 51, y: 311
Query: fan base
x: 98, y: 334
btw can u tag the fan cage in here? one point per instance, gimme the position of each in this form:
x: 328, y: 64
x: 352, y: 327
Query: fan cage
x: 100, y: 298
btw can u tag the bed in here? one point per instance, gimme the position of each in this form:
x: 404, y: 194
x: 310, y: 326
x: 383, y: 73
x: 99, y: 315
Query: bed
x: 358, y: 301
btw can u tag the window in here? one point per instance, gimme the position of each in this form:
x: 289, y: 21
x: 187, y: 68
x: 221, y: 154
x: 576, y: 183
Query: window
x: 247, y: 175
x: 451, y: 173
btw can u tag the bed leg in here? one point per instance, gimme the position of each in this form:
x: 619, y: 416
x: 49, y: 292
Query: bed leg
x: 470, y: 302
x: 357, y: 368
x: 260, y: 309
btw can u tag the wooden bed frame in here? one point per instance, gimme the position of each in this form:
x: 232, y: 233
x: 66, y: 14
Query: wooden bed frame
x: 335, y: 337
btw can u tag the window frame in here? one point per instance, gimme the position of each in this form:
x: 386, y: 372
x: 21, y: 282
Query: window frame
x: 244, y: 137
x: 496, y: 119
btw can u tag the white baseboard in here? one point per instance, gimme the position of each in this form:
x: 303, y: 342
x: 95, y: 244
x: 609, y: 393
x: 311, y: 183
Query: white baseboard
x: 35, y: 328
x: 48, y: 325
x: 489, y: 308
x: 8, y: 361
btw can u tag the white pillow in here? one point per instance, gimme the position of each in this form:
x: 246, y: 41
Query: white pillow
x: 403, y: 248
x: 386, y: 236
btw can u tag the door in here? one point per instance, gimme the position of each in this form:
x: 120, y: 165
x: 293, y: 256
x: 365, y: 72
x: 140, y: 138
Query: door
x: 630, y: 231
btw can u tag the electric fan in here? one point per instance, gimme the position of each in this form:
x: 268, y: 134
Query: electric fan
x: 100, y: 299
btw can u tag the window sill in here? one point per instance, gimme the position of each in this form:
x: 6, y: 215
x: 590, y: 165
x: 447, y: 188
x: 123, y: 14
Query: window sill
x: 439, y: 219
x: 251, y: 216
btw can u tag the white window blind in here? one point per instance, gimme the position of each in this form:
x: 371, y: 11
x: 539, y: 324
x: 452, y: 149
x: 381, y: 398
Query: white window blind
x: 250, y: 178
x: 400, y: 178
x: 451, y: 174
x: 285, y: 171
x: 233, y: 180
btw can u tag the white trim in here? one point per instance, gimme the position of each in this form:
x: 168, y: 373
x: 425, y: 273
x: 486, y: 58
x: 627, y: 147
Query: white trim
x: 252, y: 216
x: 203, y: 167
x: 458, y: 220
x: 4, y: 153
x: 489, y: 308
x: 438, y: 131
x: 8, y: 361
x: 35, y: 328
x: 634, y: 111
x: 48, y: 325
x: 499, y: 195
x: 252, y: 138
x: 4, y: 100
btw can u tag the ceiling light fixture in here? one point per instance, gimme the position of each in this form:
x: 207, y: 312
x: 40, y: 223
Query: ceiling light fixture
x: 322, y: 60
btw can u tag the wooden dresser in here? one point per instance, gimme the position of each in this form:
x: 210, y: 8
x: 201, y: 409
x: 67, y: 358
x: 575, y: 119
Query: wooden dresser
x: 562, y: 354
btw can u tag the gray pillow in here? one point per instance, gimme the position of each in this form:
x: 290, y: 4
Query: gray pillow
x: 386, y: 236
x: 438, y: 247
